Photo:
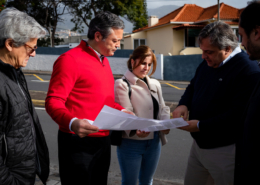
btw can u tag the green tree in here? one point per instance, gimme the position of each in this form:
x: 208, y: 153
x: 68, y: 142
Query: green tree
x: 45, y: 42
x: 84, y: 10
x: 46, y: 12
x: 2, y: 5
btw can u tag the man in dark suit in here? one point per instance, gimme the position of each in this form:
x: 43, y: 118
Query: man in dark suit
x: 216, y: 99
x: 247, y: 154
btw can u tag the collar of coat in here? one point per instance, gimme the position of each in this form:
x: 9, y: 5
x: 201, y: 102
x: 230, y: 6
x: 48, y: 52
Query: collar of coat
x: 134, y: 80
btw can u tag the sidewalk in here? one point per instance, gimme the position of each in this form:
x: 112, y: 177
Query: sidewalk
x: 113, y: 179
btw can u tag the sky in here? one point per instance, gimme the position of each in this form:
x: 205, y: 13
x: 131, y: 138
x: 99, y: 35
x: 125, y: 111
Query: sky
x: 151, y: 4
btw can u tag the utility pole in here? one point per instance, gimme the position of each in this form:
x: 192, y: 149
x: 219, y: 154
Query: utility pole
x: 50, y: 31
x: 218, y: 11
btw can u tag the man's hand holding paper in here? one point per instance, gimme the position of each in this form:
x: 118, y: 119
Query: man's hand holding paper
x: 82, y: 127
x: 111, y: 119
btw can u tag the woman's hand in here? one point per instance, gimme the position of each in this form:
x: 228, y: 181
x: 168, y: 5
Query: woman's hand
x: 165, y: 131
x: 128, y: 112
x: 142, y: 134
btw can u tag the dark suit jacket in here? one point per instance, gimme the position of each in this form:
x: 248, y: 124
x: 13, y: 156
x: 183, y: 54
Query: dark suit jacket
x: 217, y: 97
x: 248, y: 153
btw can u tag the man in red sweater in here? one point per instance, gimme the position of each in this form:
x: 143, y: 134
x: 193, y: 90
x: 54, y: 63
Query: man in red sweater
x: 81, y: 84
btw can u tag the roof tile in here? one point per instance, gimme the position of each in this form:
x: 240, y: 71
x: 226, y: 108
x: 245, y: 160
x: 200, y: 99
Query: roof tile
x: 194, y: 13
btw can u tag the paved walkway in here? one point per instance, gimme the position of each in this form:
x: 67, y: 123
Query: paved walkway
x: 113, y: 179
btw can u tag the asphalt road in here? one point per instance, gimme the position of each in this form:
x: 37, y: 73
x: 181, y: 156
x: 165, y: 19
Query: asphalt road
x: 173, y: 158
x: 171, y: 92
x: 174, y: 154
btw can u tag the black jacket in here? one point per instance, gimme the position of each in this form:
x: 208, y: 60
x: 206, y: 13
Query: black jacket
x: 23, y: 149
x: 217, y: 98
x: 247, y: 150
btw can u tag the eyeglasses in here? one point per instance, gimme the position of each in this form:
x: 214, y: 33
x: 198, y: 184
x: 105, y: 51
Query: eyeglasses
x: 30, y: 49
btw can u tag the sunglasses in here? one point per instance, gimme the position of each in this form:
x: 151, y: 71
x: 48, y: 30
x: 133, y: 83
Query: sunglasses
x: 30, y: 49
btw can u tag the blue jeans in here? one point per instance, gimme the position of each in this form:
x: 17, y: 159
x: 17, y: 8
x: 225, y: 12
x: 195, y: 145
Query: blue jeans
x: 139, y: 158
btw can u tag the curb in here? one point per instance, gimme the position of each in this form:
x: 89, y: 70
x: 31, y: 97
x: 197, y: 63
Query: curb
x: 38, y: 98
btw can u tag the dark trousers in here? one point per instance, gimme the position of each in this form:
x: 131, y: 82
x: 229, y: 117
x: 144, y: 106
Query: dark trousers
x: 83, y: 160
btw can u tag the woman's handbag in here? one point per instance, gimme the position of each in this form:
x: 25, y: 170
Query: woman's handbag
x: 116, y: 136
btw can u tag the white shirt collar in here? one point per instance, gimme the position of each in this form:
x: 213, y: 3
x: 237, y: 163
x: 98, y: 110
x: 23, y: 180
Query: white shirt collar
x: 236, y: 51
x: 101, y: 57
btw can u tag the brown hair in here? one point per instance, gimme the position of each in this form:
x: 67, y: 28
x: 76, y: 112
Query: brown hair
x: 141, y: 52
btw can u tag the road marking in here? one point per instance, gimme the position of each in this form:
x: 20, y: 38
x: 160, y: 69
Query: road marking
x: 40, y: 81
x: 175, y: 86
x: 39, y: 108
x: 39, y: 102
x: 38, y: 77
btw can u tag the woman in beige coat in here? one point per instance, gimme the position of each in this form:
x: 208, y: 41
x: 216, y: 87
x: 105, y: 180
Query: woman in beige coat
x: 139, y: 151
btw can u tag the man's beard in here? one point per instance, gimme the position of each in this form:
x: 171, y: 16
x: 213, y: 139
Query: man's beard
x: 253, y: 50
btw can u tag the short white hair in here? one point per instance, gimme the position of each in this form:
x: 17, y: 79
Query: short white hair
x: 19, y: 27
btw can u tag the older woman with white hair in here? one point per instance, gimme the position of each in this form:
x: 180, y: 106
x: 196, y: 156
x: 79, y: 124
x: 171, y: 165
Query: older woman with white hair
x: 23, y: 149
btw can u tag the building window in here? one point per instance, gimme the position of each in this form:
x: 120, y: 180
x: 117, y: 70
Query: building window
x: 239, y: 38
x: 192, y: 37
x: 139, y: 42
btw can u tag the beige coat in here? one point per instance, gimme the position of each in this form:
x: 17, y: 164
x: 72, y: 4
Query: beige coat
x: 141, y: 101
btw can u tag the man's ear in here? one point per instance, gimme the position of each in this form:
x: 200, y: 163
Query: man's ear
x: 228, y: 50
x: 257, y: 33
x: 98, y: 36
x: 9, y: 44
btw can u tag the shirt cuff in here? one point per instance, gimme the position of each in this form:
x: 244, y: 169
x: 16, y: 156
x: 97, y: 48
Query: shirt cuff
x: 71, y: 123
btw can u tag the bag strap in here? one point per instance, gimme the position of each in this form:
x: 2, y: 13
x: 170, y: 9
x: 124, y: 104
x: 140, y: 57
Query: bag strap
x: 129, y: 88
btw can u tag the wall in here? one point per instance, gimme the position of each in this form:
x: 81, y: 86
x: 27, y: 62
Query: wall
x: 51, y: 51
x: 45, y: 58
x: 45, y: 63
x: 191, y: 51
x: 129, y: 41
x: 74, y: 39
x: 180, y: 67
x: 178, y: 41
x: 161, y: 40
x: 158, y: 74
x: 123, y: 53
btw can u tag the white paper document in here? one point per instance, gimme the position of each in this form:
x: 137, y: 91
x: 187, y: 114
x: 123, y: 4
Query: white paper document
x: 112, y: 119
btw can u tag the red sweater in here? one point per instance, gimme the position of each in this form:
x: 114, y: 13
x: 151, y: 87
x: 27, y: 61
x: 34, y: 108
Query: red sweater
x: 80, y: 86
